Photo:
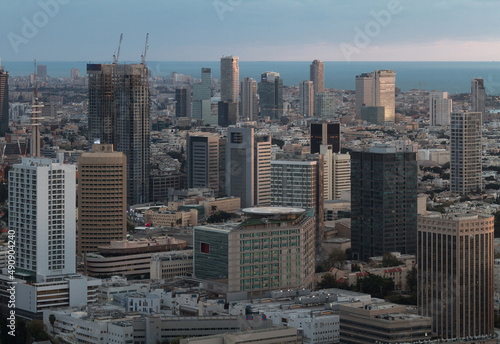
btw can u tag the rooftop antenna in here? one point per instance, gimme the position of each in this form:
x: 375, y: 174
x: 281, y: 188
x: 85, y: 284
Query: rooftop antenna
x: 117, y: 56
x: 143, y: 56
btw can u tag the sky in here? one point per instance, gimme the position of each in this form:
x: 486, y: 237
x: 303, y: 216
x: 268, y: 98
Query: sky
x: 254, y: 30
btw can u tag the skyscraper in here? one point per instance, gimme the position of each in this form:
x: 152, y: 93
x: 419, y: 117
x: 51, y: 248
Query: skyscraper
x: 183, y: 102
x: 317, y: 76
x: 377, y: 89
x: 229, y: 79
x: 455, y: 274
x: 383, y: 201
x: 270, y: 91
x: 203, y: 161
x: 102, y: 198
x: 119, y: 114
x: 466, y: 152
x: 440, y: 108
x: 306, y: 97
x: 324, y: 103
x: 478, y: 97
x: 249, y: 102
x: 42, y: 211
x: 325, y: 134
x: 4, y: 101
x: 227, y: 113
x: 202, y: 94
x: 248, y: 166
x: 41, y: 71
x: 337, y: 173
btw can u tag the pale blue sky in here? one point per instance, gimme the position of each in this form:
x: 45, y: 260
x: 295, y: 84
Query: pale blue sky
x: 280, y: 30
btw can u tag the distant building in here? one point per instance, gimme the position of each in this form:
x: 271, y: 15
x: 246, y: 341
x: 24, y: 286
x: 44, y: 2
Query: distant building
x: 325, y: 134
x: 383, y: 201
x: 202, y: 94
x: 455, y: 274
x: 466, y: 152
x: 41, y: 71
x: 161, y: 182
x: 337, y: 173
x: 75, y: 73
x: 478, y: 98
x: 4, y: 101
x: 229, y: 79
x: 249, y: 100
x: 306, y: 97
x: 270, y: 91
x: 377, y: 89
x: 227, y: 113
x: 183, y: 102
x: 317, y: 76
x: 248, y: 166
x: 373, y: 114
x: 325, y: 105
x: 440, y: 108
x: 203, y: 161
x: 102, y: 198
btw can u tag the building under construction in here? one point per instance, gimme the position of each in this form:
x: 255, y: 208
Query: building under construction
x: 119, y: 114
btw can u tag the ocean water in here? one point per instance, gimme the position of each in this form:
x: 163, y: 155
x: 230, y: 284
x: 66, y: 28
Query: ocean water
x: 453, y: 77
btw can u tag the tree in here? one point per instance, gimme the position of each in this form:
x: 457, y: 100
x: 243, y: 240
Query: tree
x: 377, y: 286
x: 336, y: 258
x: 220, y: 216
x: 52, y: 320
x: 390, y: 260
x: 37, y: 330
x: 411, y: 280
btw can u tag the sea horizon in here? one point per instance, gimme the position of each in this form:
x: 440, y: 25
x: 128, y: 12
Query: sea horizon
x: 450, y: 76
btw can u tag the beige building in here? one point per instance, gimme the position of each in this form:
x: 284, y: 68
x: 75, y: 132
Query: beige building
x: 102, y: 198
x: 337, y: 173
x: 227, y: 204
x: 167, y: 266
x: 164, y: 217
x: 229, y: 79
x: 381, y: 323
x: 273, y: 335
x: 377, y: 89
x: 455, y: 273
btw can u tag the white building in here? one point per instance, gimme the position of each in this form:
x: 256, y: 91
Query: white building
x: 142, y: 302
x: 440, y: 107
x: 337, y: 173
x: 306, y: 97
x: 325, y: 105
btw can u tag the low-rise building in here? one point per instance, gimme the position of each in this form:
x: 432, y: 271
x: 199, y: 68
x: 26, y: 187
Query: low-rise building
x: 274, y: 335
x: 166, y: 266
x: 166, y: 218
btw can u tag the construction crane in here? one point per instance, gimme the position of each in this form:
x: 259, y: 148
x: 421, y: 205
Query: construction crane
x: 117, y: 56
x: 143, y: 56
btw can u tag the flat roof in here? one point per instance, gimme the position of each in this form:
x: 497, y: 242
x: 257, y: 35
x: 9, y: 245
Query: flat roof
x: 273, y: 210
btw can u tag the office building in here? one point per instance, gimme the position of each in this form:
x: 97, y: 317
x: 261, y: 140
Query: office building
x: 102, y: 198
x: 248, y: 166
x: 183, y: 101
x: 202, y: 95
x: 466, y: 150
x: 272, y: 250
x: 119, y: 114
x: 203, y: 161
x: 337, y: 173
x: 270, y: 91
x: 373, y: 114
x: 227, y: 114
x: 455, y: 273
x: 383, y: 201
x: 160, y: 182
x: 4, y: 101
x: 325, y: 105
x: 306, y: 98
x: 249, y: 101
x: 299, y: 183
x: 382, y: 322
x: 440, y: 107
x: 325, y: 134
x: 229, y: 79
x: 377, y: 89
x: 478, y: 98
x: 41, y: 72
x: 317, y: 75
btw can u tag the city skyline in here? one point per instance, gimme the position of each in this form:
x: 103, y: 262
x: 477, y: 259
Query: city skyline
x: 361, y: 31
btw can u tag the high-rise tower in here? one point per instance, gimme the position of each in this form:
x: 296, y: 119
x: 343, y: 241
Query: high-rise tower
x: 203, y: 161
x: 377, y: 89
x: 202, y: 94
x: 317, y: 76
x: 4, y: 101
x: 383, y: 201
x: 306, y: 95
x: 249, y: 102
x: 325, y: 134
x: 119, y: 114
x: 478, y: 97
x: 229, y: 79
x: 270, y: 90
x: 455, y: 274
x: 440, y: 107
x: 102, y: 198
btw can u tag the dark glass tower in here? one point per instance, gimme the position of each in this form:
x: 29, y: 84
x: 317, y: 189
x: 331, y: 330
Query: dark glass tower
x: 119, y: 114
x: 383, y: 202
x: 325, y: 134
x: 270, y: 91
